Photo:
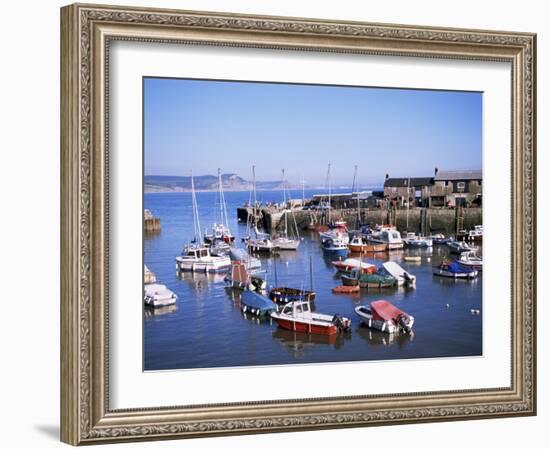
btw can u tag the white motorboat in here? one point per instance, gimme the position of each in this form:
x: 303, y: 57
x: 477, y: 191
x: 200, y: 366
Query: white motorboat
x: 459, y: 247
x: 385, y: 317
x: 197, y: 258
x: 158, y: 295
x: 470, y: 260
x: 402, y: 276
x: 415, y: 241
x: 389, y: 236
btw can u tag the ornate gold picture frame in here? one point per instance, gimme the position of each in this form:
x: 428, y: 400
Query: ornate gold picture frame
x: 87, y: 32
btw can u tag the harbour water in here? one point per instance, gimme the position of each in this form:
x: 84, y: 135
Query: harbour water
x: 206, y: 328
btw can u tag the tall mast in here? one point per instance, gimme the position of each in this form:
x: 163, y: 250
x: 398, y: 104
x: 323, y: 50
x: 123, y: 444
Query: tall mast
x: 254, y: 194
x: 284, y: 204
x: 223, y: 206
x: 408, y: 196
x: 329, y: 196
x: 303, y: 190
x: 354, y: 187
x: 195, y: 211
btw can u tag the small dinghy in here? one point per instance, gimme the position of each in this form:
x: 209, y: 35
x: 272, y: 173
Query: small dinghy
x: 298, y: 317
x: 402, y: 276
x: 412, y: 259
x: 158, y: 295
x: 349, y: 264
x: 346, y: 289
x: 385, y: 317
x: 454, y: 270
x: 256, y: 304
x: 283, y: 295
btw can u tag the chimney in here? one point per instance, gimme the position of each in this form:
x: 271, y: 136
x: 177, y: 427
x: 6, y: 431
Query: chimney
x: 436, y: 170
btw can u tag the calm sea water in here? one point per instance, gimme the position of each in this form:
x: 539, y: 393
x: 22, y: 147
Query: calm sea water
x: 206, y: 327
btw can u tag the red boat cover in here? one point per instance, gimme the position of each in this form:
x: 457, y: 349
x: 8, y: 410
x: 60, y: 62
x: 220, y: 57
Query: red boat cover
x: 239, y: 273
x: 384, y: 311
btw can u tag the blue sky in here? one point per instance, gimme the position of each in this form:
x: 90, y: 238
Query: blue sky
x: 201, y: 125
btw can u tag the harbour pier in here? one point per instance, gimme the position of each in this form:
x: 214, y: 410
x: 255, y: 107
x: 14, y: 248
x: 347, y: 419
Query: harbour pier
x: 422, y: 220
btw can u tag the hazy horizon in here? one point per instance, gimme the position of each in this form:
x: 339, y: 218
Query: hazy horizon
x: 201, y: 125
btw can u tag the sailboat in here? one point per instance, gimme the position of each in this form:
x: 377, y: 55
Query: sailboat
x: 284, y: 242
x: 335, y: 241
x: 196, y: 256
x: 261, y: 242
x: 219, y: 237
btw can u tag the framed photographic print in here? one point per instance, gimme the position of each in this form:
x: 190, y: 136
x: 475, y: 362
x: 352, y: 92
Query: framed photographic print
x: 267, y: 221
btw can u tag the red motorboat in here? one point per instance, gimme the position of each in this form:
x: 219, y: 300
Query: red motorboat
x: 298, y: 317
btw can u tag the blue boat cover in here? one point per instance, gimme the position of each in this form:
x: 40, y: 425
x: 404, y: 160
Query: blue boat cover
x: 455, y: 267
x: 256, y: 301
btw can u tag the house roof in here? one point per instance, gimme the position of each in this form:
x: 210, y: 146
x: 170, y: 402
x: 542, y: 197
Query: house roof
x: 458, y: 175
x: 404, y: 182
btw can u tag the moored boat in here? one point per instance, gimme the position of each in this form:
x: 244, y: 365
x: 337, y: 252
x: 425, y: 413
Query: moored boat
x: 402, y: 276
x: 158, y: 295
x: 388, y: 236
x: 385, y: 317
x: 415, y: 241
x: 368, y: 280
x: 239, y: 278
x: 334, y: 247
x: 359, y: 244
x: 459, y: 247
x: 454, y: 270
x: 439, y: 239
x: 349, y: 264
x: 298, y: 317
x: 470, y: 260
x: 256, y: 304
x: 197, y: 258
x: 349, y: 289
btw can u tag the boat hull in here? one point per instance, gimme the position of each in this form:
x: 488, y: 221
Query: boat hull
x: 306, y: 328
x: 449, y: 274
x: 367, y: 248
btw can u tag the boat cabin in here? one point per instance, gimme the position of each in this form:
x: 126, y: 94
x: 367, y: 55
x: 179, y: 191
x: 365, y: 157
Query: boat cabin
x: 295, y: 308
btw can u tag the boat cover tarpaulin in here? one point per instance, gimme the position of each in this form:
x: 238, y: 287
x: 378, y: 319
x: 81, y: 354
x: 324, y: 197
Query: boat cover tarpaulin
x: 238, y: 273
x: 252, y: 299
x: 384, y: 311
x: 455, y: 267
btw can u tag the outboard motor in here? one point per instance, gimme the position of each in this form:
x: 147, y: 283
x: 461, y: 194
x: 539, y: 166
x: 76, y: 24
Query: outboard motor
x: 404, y: 323
x: 339, y: 322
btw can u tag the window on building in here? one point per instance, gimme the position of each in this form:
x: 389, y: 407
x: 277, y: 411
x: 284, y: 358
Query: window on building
x: 460, y: 186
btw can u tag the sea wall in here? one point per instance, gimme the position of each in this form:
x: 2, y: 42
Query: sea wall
x: 420, y: 220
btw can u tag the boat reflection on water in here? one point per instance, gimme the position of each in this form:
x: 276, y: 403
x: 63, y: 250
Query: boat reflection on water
x: 151, y: 312
x: 201, y: 281
x: 377, y: 338
x: 301, y: 344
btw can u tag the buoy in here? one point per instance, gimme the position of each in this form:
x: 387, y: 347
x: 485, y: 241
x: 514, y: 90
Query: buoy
x: 447, y: 305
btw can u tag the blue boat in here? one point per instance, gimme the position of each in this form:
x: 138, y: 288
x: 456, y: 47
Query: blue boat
x: 256, y: 304
x: 454, y: 270
x: 335, y: 247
